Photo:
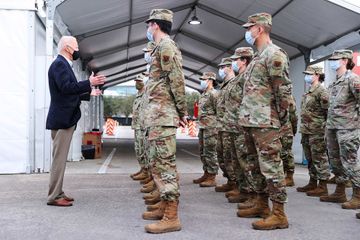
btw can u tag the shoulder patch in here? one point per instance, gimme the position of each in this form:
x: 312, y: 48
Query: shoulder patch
x: 277, y: 64
x: 166, y: 58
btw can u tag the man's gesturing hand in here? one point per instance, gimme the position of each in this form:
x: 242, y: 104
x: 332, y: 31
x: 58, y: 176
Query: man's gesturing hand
x: 96, y: 80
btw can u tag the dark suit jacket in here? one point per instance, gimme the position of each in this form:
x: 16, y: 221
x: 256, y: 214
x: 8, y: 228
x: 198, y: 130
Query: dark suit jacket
x: 66, y: 95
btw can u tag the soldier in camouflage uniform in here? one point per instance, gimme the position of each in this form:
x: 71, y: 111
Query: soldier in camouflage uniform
x: 165, y: 109
x: 149, y: 185
x: 225, y: 154
x: 207, y: 131
x: 314, y: 107
x: 138, y: 132
x: 288, y: 132
x: 233, y: 97
x: 343, y: 128
x: 264, y: 109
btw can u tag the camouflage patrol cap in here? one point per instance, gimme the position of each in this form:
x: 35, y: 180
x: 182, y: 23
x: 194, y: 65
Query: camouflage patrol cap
x: 313, y: 70
x: 342, y: 53
x: 225, y: 61
x: 161, y: 14
x: 243, y: 52
x: 139, y: 77
x: 149, y: 46
x: 258, y: 18
x: 208, y: 75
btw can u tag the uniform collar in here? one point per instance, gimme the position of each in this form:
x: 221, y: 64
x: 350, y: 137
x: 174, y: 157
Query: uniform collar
x: 313, y: 88
x: 261, y: 50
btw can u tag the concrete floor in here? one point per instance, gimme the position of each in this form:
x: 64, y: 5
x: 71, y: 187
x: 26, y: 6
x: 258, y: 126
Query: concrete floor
x: 109, y: 206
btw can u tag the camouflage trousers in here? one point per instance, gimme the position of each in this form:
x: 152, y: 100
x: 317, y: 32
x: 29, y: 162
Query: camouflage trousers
x: 139, y: 145
x: 240, y: 163
x: 207, y: 144
x: 220, y: 153
x: 226, y: 155
x: 265, y: 142
x: 162, y: 158
x: 286, y: 153
x: 343, y: 146
x: 314, y: 147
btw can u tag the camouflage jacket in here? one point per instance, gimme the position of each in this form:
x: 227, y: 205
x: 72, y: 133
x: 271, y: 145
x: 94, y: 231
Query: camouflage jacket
x: 344, y: 103
x: 220, y: 105
x: 290, y: 127
x: 207, y: 109
x: 165, y: 89
x: 233, y: 99
x: 314, y: 107
x: 265, y: 95
x: 142, y: 110
x: 136, y: 122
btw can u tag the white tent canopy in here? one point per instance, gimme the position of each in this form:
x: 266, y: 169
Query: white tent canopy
x: 112, y: 32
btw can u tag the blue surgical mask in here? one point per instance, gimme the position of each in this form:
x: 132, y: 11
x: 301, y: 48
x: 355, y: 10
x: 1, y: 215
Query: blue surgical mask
x: 148, y: 68
x: 249, y: 38
x: 147, y: 57
x: 234, y: 66
x: 149, y: 36
x: 145, y: 80
x: 203, y: 85
x: 222, y: 73
x: 334, y: 64
x: 308, y: 79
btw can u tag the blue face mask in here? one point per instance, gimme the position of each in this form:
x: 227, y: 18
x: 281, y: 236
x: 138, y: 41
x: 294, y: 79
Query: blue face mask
x: 222, y: 73
x: 149, y: 36
x: 203, y: 85
x: 147, y: 57
x: 249, y: 38
x: 145, y: 80
x: 234, y: 66
x: 308, y: 79
x: 334, y: 64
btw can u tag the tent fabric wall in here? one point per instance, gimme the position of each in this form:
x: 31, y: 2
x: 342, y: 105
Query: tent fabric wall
x: 297, y: 66
x: 15, y: 90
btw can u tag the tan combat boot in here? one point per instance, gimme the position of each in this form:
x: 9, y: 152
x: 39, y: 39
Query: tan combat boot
x: 151, y: 194
x: 170, y: 221
x: 143, y: 175
x: 146, y: 180
x: 249, y: 203
x: 338, y: 196
x: 230, y: 185
x: 153, y: 198
x: 156, y: 214
x: 310, y: 186
x: 149, y: 187
x: 276, y: 220
x: 321, y: 190
x: 242, y: 197
x: 154, y: 206
x: 137, y: 173
x: 289, y: 179
x: 209, y: 181
x: 233, y: 192
x: 354, y: 202
x: 200, y: 179
x: 260, y: 208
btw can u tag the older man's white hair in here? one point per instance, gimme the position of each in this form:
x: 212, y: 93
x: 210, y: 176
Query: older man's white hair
x: 64, y: 41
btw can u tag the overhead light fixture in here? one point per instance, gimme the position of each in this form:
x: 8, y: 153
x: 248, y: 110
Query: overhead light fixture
x: 194, y: 19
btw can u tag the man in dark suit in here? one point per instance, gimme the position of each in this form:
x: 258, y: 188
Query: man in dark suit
x: 64, y: 113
